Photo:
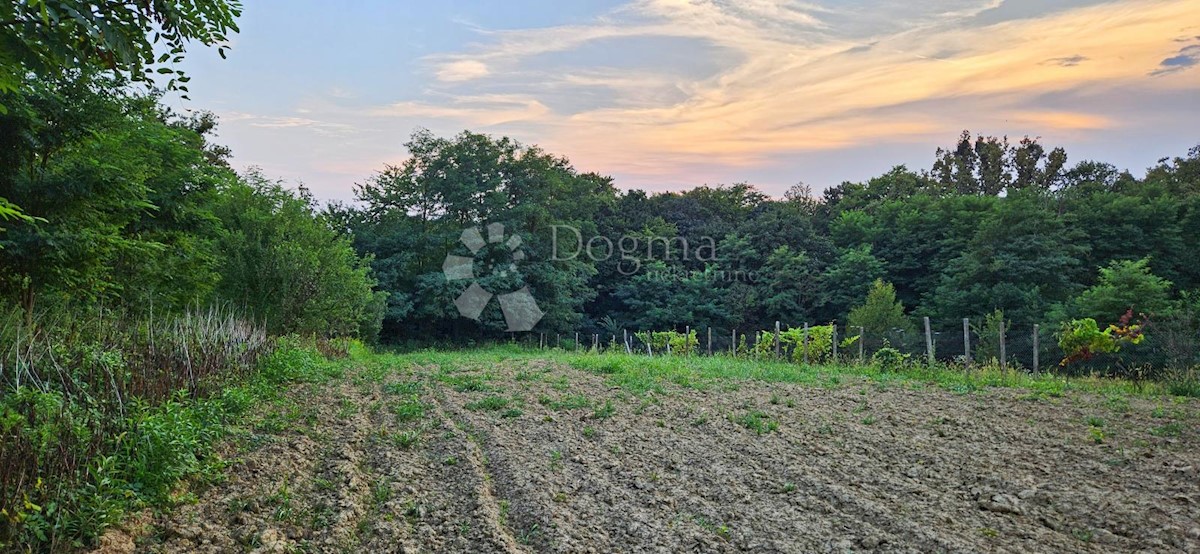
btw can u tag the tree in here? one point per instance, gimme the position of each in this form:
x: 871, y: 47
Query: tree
x: 881, y: 313
x: 58, y: 131
x: 415, y: 213
x: 789, y: 286
x: 991, y: 166
x: 660, y: 299
x: 1123, y: 285
x: 285, y: 265
x: 132, y: 39
x: 849, y: 279
x: 1021, y: 259
x: 11, y: 212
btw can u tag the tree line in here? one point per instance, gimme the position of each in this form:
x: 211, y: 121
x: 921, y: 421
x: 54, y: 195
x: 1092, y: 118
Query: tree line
x: 991, y: 225
x: 114, y: 201
x: 111, y: 199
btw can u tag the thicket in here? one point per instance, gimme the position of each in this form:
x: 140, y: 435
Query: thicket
x: 142, y: 283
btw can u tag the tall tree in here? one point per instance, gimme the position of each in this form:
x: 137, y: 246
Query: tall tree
x: 133, y: 39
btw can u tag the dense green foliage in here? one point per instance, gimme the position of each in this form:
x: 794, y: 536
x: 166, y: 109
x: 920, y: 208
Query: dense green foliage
x: 127, y: 205
x: 992, y: 226
x: 143, y: 282
x: 134, y: 39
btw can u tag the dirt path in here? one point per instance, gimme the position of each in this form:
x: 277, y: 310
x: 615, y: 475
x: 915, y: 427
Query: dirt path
x: 532, y: 457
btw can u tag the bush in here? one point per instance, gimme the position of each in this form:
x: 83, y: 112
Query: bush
x: 890, y: 359
x: 100, y: 419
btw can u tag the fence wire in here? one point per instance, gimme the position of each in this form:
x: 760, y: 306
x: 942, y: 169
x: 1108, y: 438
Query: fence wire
x: 1169, y: 345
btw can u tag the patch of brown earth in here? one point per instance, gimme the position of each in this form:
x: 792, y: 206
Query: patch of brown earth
x: 530, y: 456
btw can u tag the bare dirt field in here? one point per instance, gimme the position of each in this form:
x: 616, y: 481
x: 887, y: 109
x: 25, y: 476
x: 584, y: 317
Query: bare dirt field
x: 532, y: 455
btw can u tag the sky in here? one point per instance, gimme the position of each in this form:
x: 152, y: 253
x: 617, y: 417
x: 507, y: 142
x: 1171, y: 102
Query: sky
x: 672, y: 94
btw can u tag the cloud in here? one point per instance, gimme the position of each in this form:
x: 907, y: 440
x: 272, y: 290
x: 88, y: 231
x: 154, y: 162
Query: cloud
x: 1187, y: 57
x: 287, y: 122
x: 479, y: 110
x: 783, y: 80
x: 462, y: 70
x: 1068, y: 61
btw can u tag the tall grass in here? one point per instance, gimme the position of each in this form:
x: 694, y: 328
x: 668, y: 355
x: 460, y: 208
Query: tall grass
x: 640, y: 372
x: 106, y: 413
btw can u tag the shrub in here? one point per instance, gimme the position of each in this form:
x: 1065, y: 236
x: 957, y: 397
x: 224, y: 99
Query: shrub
x: 1082, y: 339
x: 890, y: 359
x: 104, y: 416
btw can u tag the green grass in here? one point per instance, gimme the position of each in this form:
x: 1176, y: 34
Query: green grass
x: 756, y: 421
x: 408, y: 410
x: 641, y: 374
x: 570, y: 402
x: 490, y: 404
x: 154, y: 447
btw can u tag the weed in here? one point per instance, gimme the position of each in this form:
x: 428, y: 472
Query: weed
x: 512, y: 413
x: 504, y: 509
x: 406, y: 439
x: 604, y: 412
x: 346, y: 408
x: 403, y: 388
x: 1172, y: 429
x: 282, y: 500
x: 409, y: 410
x: 756, y: 421
x: 530, y: 535
x: 571, y: 402
x: 489, y: 403
x: 589, y: 432
x: 1097, y: 434
x: 1094, y: 421
x: 322, y: 484
x: 869, y: 420
x: 1117, y: 403
x: 466, y: 383
x: 450, y: 461
x: 789, y: 487
x: 381, y: 492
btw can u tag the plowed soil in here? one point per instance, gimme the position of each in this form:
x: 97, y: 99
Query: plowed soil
x: 532, y: 456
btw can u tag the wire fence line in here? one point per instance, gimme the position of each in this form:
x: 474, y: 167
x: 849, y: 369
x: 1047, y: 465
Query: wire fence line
x: 1169, y: 346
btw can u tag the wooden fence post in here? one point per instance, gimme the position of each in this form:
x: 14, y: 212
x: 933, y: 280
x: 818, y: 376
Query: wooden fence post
x: 804, y: 339
x: 833, y: 342
x: 928, y: 341
x: 1035, y: 349
x: 733, y: 343
x: 710, y: 340
x: 1003, y: 350
x: 576, y: 341
x: 967, y: 340
x: 687, y: 340
x: 862, y: 337
x: 777, y: 345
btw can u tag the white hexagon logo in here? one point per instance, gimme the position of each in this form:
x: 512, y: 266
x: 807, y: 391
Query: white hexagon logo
x: 520, y: 310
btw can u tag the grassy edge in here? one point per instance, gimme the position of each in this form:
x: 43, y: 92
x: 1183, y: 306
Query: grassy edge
x: 642, y: 373
x: 160, y: 447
